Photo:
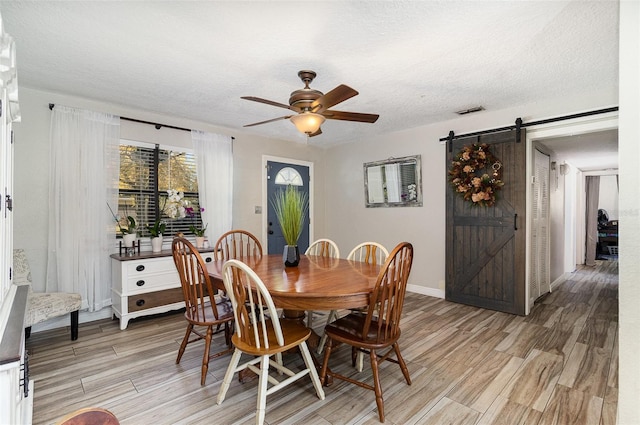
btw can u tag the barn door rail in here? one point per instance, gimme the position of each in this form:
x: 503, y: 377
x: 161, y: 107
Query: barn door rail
x: 519, y: 124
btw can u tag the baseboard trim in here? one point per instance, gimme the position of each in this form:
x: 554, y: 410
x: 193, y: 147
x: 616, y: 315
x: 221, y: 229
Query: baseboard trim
x: 432, y: 292
x: 559, y: 280
x: 63, y: 321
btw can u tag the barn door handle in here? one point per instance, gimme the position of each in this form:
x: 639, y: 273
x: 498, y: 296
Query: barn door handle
x: 515, y: 221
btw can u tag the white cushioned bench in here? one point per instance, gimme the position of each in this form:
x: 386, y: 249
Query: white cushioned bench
x: 42, y: 306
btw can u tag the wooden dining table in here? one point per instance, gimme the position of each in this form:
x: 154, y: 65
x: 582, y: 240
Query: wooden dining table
x: 316, y: 283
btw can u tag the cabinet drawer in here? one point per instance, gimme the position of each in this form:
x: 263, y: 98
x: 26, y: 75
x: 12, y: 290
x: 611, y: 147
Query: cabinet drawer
x: 154, y: 266
x: 157, y: 265
x: 147, y: 283
x: 154, y: 299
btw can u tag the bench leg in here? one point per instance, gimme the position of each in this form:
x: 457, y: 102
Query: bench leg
x: 74, y: 325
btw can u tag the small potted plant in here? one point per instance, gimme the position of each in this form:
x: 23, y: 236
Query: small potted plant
x: 129, y: 231
x: 156, y: 232
x: 290, y: 207
x: 198, y: 231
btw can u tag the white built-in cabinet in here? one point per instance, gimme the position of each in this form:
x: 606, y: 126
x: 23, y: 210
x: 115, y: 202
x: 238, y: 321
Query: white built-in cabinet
x: 16, y: 390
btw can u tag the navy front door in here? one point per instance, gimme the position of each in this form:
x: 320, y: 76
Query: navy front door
x: 279, y: 176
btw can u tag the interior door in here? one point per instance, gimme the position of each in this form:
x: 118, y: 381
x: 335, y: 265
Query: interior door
x: 279, y: 176
x: 485, y: 246
x: 539, y: 275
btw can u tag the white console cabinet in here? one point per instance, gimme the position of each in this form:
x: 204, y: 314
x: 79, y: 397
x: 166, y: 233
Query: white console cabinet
x: 145, y: 284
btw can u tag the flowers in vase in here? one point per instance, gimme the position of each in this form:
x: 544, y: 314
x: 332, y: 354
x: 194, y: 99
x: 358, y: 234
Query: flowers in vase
x: 176, y: 206
x: 198, y: 231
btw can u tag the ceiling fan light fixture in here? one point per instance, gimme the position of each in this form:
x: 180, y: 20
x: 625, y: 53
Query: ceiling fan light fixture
x: 307, y: 122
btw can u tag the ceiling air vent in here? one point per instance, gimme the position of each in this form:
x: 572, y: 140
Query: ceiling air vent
x: 470, y: 110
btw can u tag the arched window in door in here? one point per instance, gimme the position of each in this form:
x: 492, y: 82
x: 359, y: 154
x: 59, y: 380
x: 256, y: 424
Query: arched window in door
x: 289, y: 176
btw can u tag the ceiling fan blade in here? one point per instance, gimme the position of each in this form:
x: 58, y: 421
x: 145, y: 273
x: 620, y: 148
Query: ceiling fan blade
x: 268, y: 121
x: 350, y: 116
x: 335, y: 96
x: 271, y: 102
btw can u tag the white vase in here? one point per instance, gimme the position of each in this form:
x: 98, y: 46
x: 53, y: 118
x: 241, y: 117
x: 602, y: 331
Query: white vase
x: 156, y: 244
x: 199, y: 241
x: 128, y: 239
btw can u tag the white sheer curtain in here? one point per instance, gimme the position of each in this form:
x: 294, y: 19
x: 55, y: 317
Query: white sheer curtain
x: 84, y: 169
x: 215, y: 181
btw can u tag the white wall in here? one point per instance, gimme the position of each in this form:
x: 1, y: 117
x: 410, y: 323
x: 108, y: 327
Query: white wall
x: 570, y: 228
x: 349, y: 222
x: 629, y: 241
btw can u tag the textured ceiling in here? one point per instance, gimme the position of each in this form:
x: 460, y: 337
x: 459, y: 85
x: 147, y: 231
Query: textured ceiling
x: 413, y: 62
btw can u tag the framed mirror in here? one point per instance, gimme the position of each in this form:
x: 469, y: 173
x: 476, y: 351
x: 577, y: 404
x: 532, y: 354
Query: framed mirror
x: 394, y: 182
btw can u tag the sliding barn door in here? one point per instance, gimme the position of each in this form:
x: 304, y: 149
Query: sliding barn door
x: 485, y: 246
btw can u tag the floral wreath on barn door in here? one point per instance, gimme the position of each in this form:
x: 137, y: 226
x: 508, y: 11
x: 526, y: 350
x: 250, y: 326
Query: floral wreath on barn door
x: 479, y: 189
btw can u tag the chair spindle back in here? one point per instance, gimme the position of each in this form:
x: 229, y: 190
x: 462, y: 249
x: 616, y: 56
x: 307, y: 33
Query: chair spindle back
x: 369, y: 252
x: 323, y: 248
x: 253, y: 307
x: 387, y: 299
x: 237, y: 244
x: 194, y: 278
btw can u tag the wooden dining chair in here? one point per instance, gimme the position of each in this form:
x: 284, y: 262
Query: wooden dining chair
x: 379, y: 328
x: 204, y: 308
x: 365, y: 252
x: 260, y: 333
x: 237, y: 244
x: 321, y: 248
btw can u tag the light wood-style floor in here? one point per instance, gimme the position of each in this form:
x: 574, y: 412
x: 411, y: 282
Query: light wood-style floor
x: 559, y: 365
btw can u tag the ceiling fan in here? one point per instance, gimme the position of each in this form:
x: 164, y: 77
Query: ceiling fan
x: 312, y: 106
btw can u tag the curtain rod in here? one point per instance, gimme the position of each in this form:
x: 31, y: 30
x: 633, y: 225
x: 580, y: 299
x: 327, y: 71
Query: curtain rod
x: 156, y: 125
x: 451, y: 135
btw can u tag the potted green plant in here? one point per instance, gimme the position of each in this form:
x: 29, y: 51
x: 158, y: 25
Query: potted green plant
x: 156, y: 232
x: 290, y: 206
x: 129, y: 231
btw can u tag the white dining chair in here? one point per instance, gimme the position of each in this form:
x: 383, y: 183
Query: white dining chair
x: 260, y: 334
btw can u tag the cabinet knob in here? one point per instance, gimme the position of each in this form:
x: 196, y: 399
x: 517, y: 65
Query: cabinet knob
x: 140, y: 282
x: 208, y: 259
x: 140, y: 268
x: 140, y: 303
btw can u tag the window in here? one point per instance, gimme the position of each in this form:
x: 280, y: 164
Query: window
x: 146, y: 173
x: 289, y: 176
